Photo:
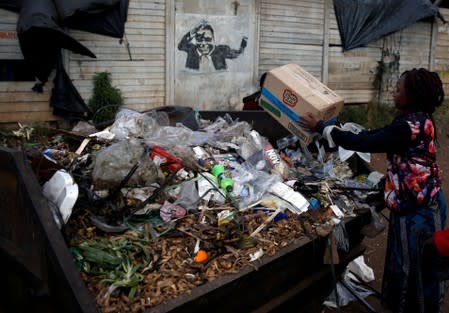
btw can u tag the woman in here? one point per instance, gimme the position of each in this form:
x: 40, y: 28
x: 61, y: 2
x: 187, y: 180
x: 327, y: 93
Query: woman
x: 413, y: 188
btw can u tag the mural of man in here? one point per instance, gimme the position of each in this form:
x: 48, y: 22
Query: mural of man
x: 199, y: 43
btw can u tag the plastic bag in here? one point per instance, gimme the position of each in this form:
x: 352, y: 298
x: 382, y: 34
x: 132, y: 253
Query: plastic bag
x: 168, y: 136
x: 130, y: 123
x: 344, y: 295
x: 113, y: 163
x: 361, y: 269
x: 188, y: 197
x: 349, y: 281
x: 251, y: 184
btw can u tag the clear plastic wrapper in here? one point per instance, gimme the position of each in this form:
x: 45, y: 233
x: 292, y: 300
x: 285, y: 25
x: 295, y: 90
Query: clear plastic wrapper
x: 130, y: 123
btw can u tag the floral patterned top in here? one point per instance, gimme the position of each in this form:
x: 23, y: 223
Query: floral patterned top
x: 412, y: 172
x: 413, y: 176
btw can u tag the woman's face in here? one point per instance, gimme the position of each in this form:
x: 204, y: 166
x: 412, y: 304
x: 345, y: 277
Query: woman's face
x: 399, y: 95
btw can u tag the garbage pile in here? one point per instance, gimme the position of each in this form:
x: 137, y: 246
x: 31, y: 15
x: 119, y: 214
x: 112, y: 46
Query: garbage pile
x: 151, y: 210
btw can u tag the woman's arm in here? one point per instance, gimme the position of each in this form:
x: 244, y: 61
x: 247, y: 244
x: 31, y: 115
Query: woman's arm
x: 394, y: 137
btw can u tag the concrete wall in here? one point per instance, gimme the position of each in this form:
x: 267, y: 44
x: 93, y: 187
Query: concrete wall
x: 218, y: 77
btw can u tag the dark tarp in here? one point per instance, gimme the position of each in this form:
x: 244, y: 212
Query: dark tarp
x: 11, y: 5
x: 40, y: 29
x: 41, y: 38
x: 104, y: 18
x: 363, y: 21
x: 65, y: 99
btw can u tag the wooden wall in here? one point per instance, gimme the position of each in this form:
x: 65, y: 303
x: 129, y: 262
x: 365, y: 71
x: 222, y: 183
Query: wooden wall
x: 441, y: 56
x: 136, y: 64
x: 18, y: 103
x: 306, y: 32
x: 303, y: 32
x: 351, y: 74
x: 291, y: 32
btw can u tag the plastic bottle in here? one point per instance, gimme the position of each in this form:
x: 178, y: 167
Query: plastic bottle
x: 225, y: 183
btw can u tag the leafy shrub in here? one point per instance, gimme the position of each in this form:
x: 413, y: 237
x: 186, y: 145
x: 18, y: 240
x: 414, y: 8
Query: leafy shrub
x: 106, y: 99
x: 370, y: 116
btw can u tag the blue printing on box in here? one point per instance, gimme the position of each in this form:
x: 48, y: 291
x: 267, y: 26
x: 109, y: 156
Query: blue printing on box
x: 278, y: 103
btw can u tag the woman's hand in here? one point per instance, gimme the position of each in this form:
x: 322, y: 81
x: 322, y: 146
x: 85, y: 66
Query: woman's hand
x: 309, y: 122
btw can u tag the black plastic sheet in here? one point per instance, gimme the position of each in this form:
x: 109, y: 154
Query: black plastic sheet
x: 11, y: 5
x: 41, y: 38
x: 65, y: 99
x: 42, y: 35
x: 107, y: 17
x: 363, y: 21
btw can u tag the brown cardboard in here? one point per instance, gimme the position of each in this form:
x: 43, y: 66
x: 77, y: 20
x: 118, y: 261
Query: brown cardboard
x: 289, y: 92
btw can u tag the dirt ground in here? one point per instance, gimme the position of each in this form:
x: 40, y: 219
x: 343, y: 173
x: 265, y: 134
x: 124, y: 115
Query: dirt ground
x: 375, y: 247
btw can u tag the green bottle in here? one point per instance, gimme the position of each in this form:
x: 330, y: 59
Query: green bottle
x: 225, y: 183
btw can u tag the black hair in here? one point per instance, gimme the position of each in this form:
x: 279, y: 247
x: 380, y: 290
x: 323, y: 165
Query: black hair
x: 424, y: 90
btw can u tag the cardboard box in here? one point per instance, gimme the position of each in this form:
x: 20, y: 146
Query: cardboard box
x: 289, y: 92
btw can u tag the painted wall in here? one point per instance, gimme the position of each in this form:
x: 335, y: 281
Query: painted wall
x: 214, y: 53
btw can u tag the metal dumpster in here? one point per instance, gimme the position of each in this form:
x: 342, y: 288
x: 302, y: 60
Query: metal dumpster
x: 40, y: 274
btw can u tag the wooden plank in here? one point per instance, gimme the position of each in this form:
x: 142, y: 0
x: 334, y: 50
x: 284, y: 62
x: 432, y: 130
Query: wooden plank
x: 354, y: 85
x: 292, y: 40
x: 325, y: 53
x: 10, y: 55
x: 131, y: 38
x: 144, y: 16
x: 280, y: 47
x: 8, y: 17
x: 296, y: 20
x: 291, y: 53
x: 145, y: 84
x: 146, y: 13
x: 289, y: 30
x: 130, y: 93
x: 150, y: 5
x: 20, y: 107
x: 19, y: 87
x: 155, y: 66
x: 143, y: 107
x: 144, y: 25
x: 361, y: 96
x: 170, y: 52
x: 290, y: 7
x: 27, y: 117
x: 441, y: 55
x: 155, y: 78
x: 22, y: 96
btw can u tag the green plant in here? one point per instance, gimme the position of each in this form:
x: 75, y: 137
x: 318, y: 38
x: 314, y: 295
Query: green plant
x: 369, y: 116
x: 106, y: 99
x: 442, y: 113
x: 354, y: 113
